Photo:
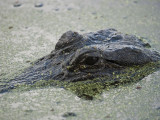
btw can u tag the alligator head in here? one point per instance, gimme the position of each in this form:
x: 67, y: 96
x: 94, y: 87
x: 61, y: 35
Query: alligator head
x: 100, y: 54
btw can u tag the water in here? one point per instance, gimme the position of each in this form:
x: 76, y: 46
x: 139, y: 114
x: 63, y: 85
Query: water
x: 28, y: 33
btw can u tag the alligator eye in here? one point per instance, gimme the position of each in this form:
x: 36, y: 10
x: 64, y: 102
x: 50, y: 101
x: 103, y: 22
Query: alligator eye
x: 91, y: 60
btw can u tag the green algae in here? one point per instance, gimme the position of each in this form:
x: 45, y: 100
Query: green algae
x: 92, y: 88
x: 97, y: 85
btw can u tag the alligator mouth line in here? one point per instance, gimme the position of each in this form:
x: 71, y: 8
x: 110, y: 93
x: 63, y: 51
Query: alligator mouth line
x: 90, y: 77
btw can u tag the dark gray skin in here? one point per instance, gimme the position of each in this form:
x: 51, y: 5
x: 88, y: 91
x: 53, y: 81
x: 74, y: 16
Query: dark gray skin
x: 81, y: 57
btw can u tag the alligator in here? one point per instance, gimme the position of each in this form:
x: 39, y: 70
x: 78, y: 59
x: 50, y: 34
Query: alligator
x: 95, y: 57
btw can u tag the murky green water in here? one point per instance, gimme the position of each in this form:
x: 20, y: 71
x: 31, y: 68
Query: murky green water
x: 28, y: 33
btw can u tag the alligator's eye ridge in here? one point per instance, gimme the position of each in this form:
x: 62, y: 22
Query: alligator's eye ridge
x: 90, y: 60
